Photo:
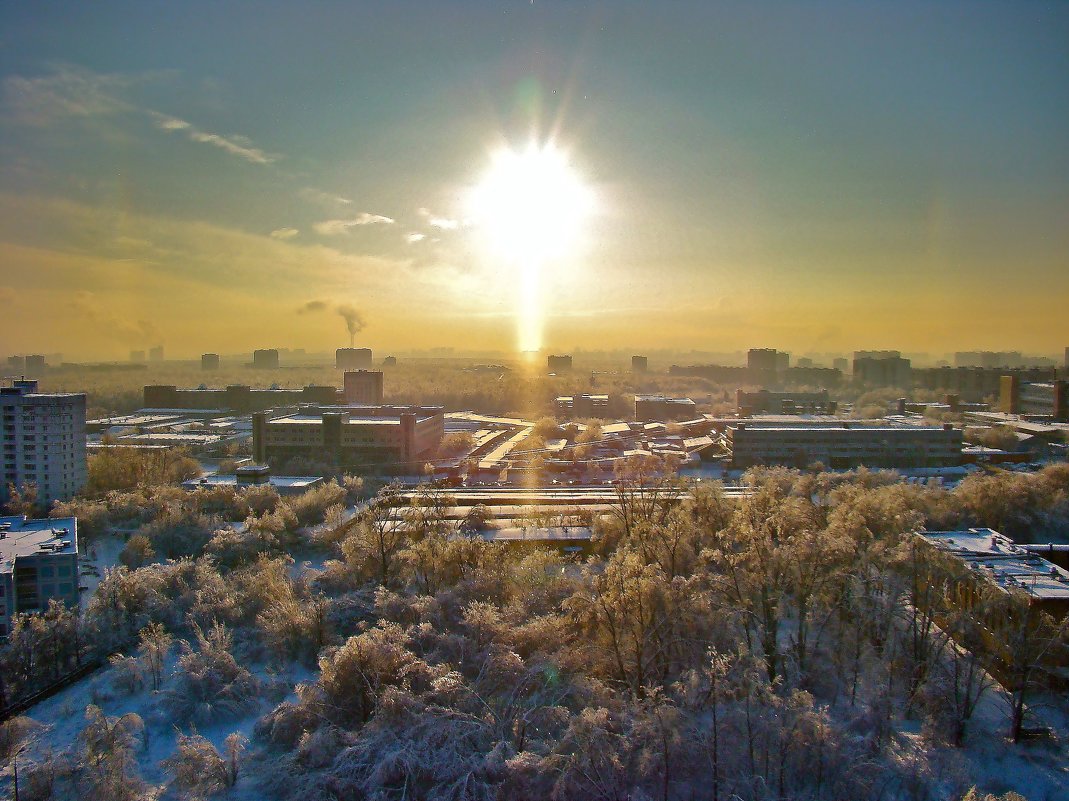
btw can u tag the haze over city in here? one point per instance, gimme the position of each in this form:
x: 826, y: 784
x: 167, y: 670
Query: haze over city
x: 812, y: 176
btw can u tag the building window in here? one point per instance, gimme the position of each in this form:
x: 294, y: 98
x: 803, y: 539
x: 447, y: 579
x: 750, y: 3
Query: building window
x: 65, y: 588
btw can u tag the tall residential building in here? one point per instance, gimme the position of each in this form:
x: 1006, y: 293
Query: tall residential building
x: 363, y: 387
x: 882, y: 368
x: 35, y: 365
x: 156, y: 354
x: 762, y: 359
x: 266, y: 359
x: 352, y: 359
x: 44, y: 441
x: 639, y: 364
x: 209, y: 361
x: 559, y: 364
x: 38, y: 562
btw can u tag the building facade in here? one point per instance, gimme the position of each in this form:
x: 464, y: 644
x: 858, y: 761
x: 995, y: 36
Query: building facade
x: 882, y: 369
x: 44, y: 441
x: 209, y: 361
x: 639, y: 364
x: 1034, y: 399
x: 363, y: 387
x: 386, y: 436
x: 38, y: 563
x: 559, y: 364
x: 579, y: 406
x: 265, y: 359
x: 237, y: 397
x: 352, y: 359
x: 659, y: 409
x: 766, y: 402
x: 844, y: 445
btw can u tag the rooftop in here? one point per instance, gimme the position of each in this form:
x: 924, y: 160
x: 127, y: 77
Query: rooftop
x: 21, y: 537
x: 1008, y: 566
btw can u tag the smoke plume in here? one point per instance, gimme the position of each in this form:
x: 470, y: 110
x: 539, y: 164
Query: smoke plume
x: 354, y: 321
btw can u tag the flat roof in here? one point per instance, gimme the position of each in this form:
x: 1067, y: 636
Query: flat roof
x: 23, y: 537
x: 997, y: 558
x: 228, y: 480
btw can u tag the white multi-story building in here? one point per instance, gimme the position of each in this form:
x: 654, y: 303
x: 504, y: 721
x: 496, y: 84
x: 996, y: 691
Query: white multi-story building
x: 43, y: 441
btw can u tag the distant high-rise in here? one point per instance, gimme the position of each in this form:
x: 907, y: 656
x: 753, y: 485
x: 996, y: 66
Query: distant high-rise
x: 265, y: 359
x: 559, y: 364
x: 35, y: 365
x: 762, y: 359
x: 17, y: 364
x: 156, y: 354
x: 363, y: 386
x: 639, y: 364
x: 209, y: 361
x: 352, y: 359
x: 137, y: 355
x: 882, y: 368
x: 391, y: 361
x: 842, y: 365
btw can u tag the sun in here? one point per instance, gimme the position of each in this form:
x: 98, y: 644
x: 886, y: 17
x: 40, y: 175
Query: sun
x: 530, y: 208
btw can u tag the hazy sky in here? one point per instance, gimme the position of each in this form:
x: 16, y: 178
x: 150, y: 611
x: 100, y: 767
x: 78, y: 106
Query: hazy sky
x: 810, y: 176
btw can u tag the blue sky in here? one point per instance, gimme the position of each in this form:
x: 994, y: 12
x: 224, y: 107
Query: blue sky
x: 801, y: 175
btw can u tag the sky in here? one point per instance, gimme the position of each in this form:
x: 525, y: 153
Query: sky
x: 221, y: 176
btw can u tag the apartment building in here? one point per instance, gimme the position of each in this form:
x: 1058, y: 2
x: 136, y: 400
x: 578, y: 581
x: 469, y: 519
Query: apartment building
x: 38, y: 563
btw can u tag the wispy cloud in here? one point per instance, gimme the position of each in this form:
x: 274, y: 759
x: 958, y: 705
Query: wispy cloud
x: 323, y: 198
x: 414, y: 237
x: 67, y: 92
x: 337, y: 227
x: 438, y: 221
x: 235, y: 145
x: 284, y: 233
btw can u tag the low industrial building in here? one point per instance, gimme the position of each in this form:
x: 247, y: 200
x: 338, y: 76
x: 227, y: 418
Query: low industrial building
x: 995, y: 561
x: 238, y: 398
x: 255, y: 475
x: 1047, y: 399
x: 579, y: 406
x: 658, y: 408
x: 363, y: 387
x: 388, y: 436
x: 844, y: 445
x: 38, y: 563
x: 766, y: 402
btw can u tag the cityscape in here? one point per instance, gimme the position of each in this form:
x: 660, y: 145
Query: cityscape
x: 390, y: 407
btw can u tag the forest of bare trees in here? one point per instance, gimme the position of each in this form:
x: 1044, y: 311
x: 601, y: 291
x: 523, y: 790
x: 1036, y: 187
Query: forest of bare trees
x: 793, y: 643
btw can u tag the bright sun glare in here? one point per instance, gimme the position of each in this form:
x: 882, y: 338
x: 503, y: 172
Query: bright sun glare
x: 530, y: 206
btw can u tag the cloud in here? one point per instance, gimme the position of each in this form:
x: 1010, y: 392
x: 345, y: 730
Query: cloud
x: 284, y: 233
x: 313, y: 306
x: 235, y: 145
x: 336, y: 227
x: 88, y: 306
x: 323, y: 198
x: 414, y: 237
x: 68, y: 92
x: 438, y: 221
